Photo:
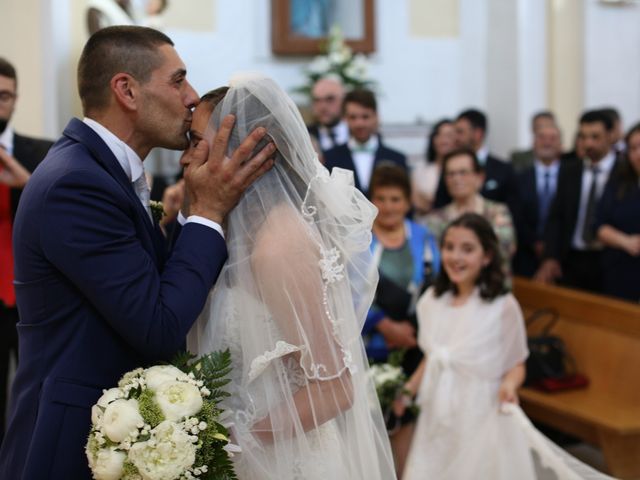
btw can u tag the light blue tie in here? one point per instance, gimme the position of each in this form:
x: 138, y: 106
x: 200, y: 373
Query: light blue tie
x: 142, y: 191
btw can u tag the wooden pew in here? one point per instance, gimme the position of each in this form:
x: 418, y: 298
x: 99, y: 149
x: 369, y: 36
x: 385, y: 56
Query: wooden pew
x: 603, y: 336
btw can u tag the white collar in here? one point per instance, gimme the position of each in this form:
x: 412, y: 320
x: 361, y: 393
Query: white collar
x: 6, y: 139
x: 127, y: 158
x: 541, y: 168
x: 370, y: 145
x: 604, y: 165
x: 482, y: 154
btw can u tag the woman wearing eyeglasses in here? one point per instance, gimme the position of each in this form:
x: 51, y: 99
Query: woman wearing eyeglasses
x: 464, y: 178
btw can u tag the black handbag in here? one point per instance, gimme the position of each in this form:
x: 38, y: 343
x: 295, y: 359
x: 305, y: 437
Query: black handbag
x: 548, y: 357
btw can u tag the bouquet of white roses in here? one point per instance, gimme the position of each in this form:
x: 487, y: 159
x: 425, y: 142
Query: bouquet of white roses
x: 162, y: 423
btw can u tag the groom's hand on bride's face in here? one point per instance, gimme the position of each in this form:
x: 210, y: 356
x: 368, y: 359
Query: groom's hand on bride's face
x: 216, y: 182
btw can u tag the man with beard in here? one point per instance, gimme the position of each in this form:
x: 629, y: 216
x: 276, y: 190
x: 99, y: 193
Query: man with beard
x: 571, y: 250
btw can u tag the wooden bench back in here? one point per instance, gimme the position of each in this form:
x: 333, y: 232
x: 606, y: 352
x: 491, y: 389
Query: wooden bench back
x: 602, y: 335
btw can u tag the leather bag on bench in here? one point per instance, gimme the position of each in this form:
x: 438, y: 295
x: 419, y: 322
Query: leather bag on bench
x: 549, y: 366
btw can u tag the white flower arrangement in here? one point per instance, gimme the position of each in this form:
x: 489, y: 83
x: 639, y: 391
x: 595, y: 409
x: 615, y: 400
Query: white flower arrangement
x: 339, y: 62
x: 162, y: 423
x: 389, y: 380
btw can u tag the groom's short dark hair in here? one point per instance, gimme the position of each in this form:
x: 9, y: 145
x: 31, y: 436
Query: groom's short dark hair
x: 112, y: 50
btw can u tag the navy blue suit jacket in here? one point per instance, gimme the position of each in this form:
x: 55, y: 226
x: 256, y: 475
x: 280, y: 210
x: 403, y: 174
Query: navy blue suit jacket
x: 96, y: 297
x: 525, y: 261
x: 340, y: 156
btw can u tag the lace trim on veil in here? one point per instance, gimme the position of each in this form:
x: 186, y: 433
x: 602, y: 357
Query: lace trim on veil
x: 333, y: 272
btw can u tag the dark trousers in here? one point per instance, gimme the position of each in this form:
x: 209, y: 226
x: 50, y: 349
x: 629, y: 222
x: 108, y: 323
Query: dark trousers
x: 582, y: 269
x: 8, y: 348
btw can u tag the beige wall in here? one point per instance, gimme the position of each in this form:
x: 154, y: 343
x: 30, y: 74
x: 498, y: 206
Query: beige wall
x: 566, y: 64
x: 21, y: 42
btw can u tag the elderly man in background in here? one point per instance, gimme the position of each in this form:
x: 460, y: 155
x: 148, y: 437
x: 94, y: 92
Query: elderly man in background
x: 329, y: 129
x: 537, y: 185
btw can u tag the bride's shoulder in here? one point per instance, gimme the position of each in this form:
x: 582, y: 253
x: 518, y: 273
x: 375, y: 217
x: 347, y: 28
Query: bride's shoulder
x: 283, y: 232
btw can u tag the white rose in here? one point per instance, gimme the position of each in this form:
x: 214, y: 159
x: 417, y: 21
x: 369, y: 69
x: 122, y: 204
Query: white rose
x: 166, y: 455
x: 96, y: 414
x: 337, y: 58
x: 107, y: 464
x: 178, y: 400
x: 319, y: 65
x: 159, y: 374
x: 120, y: 419
x: 109, y: 396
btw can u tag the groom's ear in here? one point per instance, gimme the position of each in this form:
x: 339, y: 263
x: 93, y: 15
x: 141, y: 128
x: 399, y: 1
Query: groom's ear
x: 124, y: 88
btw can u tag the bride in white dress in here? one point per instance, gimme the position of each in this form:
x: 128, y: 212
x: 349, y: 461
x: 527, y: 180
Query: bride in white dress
x: 290, y: 303
x: 474, y: 340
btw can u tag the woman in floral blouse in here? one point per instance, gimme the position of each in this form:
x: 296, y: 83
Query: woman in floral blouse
x: 464, y: 179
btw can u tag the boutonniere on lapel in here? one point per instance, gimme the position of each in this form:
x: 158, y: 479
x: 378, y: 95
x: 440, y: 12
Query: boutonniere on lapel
x: 157, y: 210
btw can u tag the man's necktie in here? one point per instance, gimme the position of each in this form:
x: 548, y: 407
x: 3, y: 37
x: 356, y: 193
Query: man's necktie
x: 544, y: 202
x: 588, y: 230
x: 142, y: 190
x: 332, y: 137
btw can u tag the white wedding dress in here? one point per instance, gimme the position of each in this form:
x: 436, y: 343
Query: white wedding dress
x: 290, y: 303
x: 462, y: 432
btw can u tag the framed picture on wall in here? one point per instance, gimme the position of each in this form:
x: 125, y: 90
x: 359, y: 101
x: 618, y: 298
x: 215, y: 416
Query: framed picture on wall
x: 299, y: 27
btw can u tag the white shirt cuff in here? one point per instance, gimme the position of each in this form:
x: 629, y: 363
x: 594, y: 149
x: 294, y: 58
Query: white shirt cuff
x: 202, y: 221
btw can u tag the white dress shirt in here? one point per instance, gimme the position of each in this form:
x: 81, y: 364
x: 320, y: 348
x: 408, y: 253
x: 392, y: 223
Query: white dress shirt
x: 340, y: 132
x: 604, y: 169
x: 133, y: 168
x: 6, y: 140
x: 363, y: 155
x: 482, y: 154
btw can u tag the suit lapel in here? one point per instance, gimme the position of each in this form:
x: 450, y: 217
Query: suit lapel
x: 532, y: 191
x: 82, y: 133
x: 350, y: 165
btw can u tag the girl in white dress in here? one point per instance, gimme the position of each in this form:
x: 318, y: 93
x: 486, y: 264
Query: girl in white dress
x: 473, y: 336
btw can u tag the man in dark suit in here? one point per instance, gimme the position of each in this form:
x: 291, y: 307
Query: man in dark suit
x: 571, y: 251
x: 523, y: 159
x: 364, y: 150
x: 329, y: 129
x: 536, y: 187
x: 97, y: 295
x: 19, y: 156
x: 500, y: 182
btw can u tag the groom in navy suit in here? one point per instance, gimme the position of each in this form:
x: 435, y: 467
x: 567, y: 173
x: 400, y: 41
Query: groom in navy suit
x: 96, y: 292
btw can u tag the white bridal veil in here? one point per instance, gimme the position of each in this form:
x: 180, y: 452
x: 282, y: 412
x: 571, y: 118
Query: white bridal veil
x: 290, y: 304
